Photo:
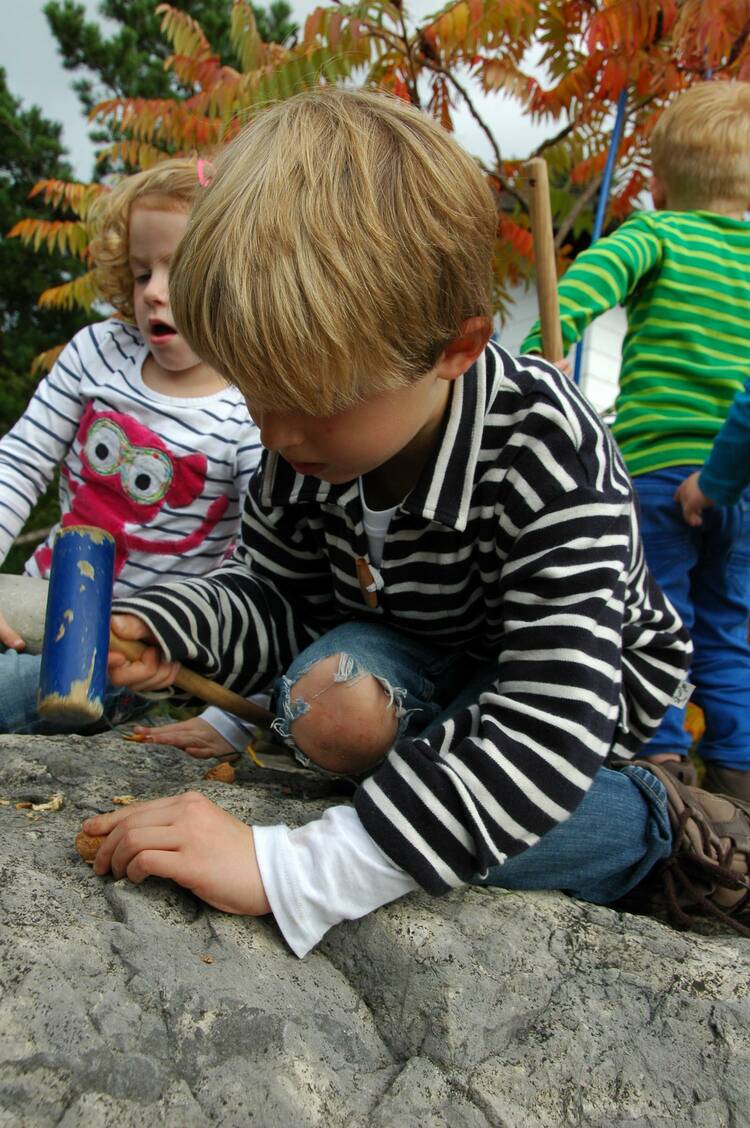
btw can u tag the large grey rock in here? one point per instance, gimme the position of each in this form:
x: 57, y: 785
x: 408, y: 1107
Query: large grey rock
x: 484, y: 1008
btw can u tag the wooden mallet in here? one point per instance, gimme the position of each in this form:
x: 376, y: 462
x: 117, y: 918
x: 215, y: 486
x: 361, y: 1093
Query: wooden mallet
x: 544, y: 257
x: 73, y: 676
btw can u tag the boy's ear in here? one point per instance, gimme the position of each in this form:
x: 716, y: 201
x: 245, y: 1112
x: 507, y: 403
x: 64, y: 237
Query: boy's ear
x: 658, y: 191
x: 460, y: 353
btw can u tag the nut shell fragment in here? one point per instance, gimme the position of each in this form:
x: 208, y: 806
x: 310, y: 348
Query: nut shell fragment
x: 223, y: 772
x: 88, y: 844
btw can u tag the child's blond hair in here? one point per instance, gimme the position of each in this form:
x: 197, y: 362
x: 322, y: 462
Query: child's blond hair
x: 171, y: 185
x: 344, y: 239
x: 700, y: 147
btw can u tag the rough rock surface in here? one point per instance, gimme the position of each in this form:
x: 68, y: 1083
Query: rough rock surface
x: 137, y: 1006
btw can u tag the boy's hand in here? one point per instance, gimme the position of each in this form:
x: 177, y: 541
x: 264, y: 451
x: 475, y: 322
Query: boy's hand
x: 196, y: 737
x: 147, y: 673
x: 9, y: 636
x: 692, y: 499
x: 188, y: 839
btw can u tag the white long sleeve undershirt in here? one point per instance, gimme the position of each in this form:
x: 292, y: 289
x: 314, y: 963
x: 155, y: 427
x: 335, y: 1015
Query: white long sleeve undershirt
x: 324, y: 872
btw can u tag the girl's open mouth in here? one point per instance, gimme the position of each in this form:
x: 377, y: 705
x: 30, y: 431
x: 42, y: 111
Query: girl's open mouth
x: 160, y: 331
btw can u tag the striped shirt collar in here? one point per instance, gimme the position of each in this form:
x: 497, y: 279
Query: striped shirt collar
x: 443, y: 492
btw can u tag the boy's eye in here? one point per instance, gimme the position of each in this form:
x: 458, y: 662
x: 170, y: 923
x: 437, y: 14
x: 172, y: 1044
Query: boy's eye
x: 142, y: 277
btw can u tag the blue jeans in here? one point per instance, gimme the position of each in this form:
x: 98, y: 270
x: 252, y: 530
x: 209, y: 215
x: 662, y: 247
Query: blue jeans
x: 706, y: 574
x: 19, y: 682
x: 613, y: 839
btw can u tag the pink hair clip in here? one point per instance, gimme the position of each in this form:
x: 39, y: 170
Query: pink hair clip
x: 205, y: 173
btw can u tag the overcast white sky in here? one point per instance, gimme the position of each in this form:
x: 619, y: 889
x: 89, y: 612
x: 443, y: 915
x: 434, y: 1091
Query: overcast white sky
x: 35, y: 75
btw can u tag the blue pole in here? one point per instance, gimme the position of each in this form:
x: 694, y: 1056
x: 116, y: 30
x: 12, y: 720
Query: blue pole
x: 601, y: 206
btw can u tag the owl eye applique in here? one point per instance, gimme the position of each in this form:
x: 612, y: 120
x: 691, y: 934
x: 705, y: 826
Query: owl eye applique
x: 145, y: 472
x: 105, y: 446
x: 147, y: 475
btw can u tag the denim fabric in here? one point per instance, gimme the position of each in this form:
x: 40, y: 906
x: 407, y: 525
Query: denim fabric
x: 613, y: 839
x: 607, y: 846
x: 19, y: 682
x: 422, y: 679
x: 706, y: 574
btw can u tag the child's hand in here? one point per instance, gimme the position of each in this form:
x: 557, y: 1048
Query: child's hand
x: 188, y: 839
x: 692, y: 499
x: 196, y: 737
x: 9, y: 636
x: 147, y: 673
x: 564, y: 366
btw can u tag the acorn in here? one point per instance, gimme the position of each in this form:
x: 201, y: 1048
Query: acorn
x: 88, y: 844
x: 223, y: 773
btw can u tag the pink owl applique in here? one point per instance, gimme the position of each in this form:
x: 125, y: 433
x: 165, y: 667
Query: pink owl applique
x: 128, y: 475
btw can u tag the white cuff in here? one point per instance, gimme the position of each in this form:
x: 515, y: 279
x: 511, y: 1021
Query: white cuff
x: 322, y: 873
x: 231, y: 728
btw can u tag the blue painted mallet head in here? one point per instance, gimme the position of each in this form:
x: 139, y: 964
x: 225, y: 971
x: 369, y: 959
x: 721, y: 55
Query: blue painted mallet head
x: 73, y: 677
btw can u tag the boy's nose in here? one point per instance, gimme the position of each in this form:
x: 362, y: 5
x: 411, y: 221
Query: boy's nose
x: 278, y: 432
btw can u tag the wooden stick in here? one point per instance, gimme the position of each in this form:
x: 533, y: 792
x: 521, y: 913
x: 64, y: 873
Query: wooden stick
x: 199, y: 686
x: 544, y: 255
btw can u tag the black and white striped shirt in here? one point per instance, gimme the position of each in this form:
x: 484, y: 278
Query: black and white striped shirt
x: 518, y: 545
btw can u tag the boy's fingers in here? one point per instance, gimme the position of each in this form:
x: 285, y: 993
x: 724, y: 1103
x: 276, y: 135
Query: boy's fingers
x: 146, y: 674
x: 157, y: 863
x: 165, y: 734
x: 155, y: 814
x: 136, y: 839
x: 104, y: 823
x: 130, y: 626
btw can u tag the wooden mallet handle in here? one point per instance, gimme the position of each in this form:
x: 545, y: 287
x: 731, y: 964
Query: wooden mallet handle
x: 199, y: 686
x: 544, y: 255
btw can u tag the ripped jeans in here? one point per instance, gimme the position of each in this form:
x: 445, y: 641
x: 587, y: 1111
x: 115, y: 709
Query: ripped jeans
x: 420, y: 680
x: 618, y: 833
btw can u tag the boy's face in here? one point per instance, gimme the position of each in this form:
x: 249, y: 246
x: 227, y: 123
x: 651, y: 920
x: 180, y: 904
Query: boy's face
x: 341, y: 447
x: 152, y: 240
x: 395, y: 430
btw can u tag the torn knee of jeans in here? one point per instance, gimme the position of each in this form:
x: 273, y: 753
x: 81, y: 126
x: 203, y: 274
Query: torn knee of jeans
x: 347, y: 673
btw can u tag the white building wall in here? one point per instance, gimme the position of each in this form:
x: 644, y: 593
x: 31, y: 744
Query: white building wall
x: 601, y: 352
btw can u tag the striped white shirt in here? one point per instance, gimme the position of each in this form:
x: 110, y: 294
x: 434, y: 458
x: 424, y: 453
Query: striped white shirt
x: 519, y: 546
x: 166, y: 475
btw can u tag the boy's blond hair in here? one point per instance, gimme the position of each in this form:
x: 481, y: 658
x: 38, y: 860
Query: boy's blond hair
x: 342, y: 242
x: 169, y: 186
x: 700, y: 148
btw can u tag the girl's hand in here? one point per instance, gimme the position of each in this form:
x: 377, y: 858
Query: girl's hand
x: 692, y: 499
x: 149, y: 672
x: 196, y: 737
x: 9, y: 636
x: 187, y: 839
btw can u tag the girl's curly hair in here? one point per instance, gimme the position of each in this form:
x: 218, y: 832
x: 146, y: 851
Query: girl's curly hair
x: 171, y: 185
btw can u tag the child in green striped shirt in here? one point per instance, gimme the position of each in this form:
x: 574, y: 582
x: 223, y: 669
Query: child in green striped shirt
x: 682, y: 273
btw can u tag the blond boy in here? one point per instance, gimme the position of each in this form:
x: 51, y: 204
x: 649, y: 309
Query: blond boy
x: 683, y: 275
x: 441, y: 575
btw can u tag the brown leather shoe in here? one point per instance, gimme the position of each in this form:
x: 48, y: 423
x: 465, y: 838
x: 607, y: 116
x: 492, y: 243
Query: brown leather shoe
x: 727, y: 781
x: 709, y: 868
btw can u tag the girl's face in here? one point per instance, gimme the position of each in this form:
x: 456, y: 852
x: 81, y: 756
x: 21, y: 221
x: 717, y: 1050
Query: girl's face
x: 153, y: 237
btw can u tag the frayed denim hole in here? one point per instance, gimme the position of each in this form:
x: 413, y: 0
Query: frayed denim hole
x: 397, y: 696
x: 348, y: 672
x: 291, y: 711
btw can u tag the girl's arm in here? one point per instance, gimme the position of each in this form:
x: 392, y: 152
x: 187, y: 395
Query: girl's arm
x: 37, y: 444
